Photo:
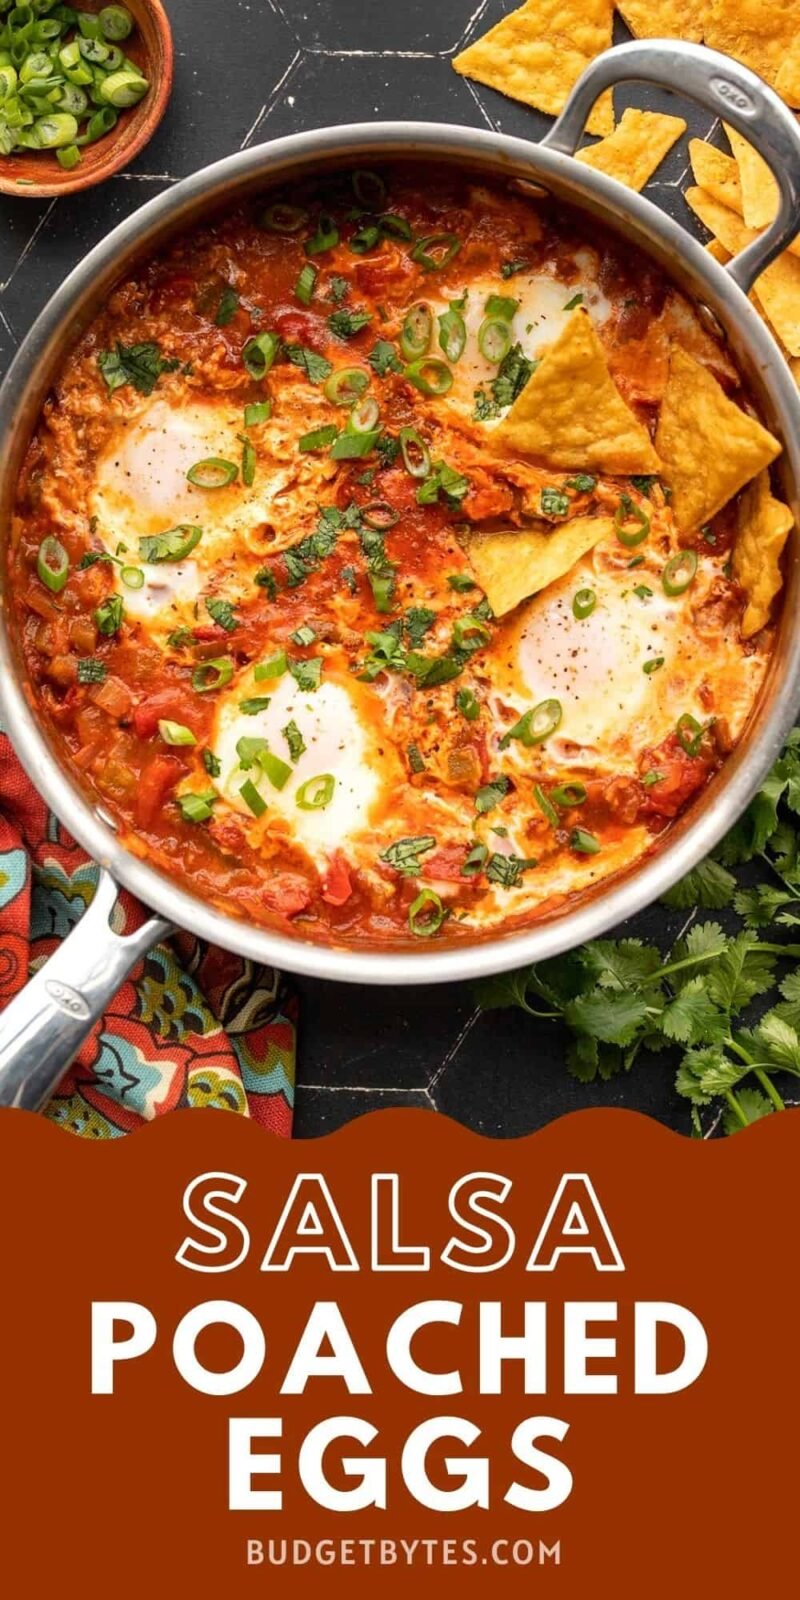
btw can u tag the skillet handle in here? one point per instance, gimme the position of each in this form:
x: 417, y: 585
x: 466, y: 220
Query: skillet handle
x: 725, y: 88
x: 43, y: 1028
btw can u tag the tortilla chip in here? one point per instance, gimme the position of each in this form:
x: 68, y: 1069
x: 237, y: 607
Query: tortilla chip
x: 787, y: 82
x: 538, y: 52
x: 760, y: 197
x: 637, y: 146
x: 717, y: 173
x: 763, y: 526
x: 571, y: 413
x: 512, y: 566
x: 719, y: 252
x: 662, y: 19
x: 709, y: 446
x: 778, y: 286
x: 760, y: 33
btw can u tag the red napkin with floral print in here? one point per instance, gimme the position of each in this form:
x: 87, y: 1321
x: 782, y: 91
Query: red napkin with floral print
x: 192, y: 1026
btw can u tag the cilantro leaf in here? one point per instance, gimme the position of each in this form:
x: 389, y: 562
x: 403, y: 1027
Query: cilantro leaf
x: 708, y: 885
x: 316, y: 368
x: 140, y: 365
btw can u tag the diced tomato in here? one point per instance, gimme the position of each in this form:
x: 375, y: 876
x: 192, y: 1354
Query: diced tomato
x: 337, y: 887
x: 299, y: 327
x: 445, y: 865
x: 681, y: 776
x: 288, y: 893
x: 159, y: 775
x: 382, y: 273
x: 175, y: 705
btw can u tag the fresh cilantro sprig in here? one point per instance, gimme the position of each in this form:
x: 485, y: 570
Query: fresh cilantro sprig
x: 724, y: 1002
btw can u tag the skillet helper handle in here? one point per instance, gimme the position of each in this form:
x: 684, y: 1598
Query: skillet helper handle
x: 726, y: 89
x: 43, y: 1027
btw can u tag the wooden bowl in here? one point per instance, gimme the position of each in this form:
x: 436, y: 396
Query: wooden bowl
x: 36, y: 173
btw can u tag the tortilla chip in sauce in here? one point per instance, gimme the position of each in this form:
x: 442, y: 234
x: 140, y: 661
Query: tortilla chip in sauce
x: 763, y: 526
x: 637, y: 146
x: 538, y: 52
x: 571, y: 414
x: 512, y: 566
x: 710, y: 447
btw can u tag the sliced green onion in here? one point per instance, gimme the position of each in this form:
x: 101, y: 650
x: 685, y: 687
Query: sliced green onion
x: 415, y: 453
x: 69, y: 157
x: 197, y: 807
x: 52, y: 564
x: 452, y: 334
x: 253, y: 704
x: 132, y: 577
x: 547, y: 809
x: 252, y: 798
x: 99, y: 125
x: 583, y: 604
x: 501, y: 306
x: 632, y: 524
x: 318, y: 438
x: 470, y: 633
x: 468, y: 705
x: 304, y: 287
x: 568, y: 795
x: 396, y: 227
x: 653, y: 665
x: 259, y: 353
x: 586, y: 844
x: 276, y: 770
x: 426, y: 914
x: 248, y: 460
x: 378, y: 514
x: 535, y: 725
x: 365, y: 238
x: 273, y: 667
x: 211, y: 675
x: 345, y: 386
x: 417, y: 331
x: 303, y: 635
x: 259, y: 411
x: 115, y: 22
x: 212, y: 473
x: 689, y: 734
x: 125, y: 88
x: 494, y: 339
x: 430, y: 375
x: 369, y: 189
x: 679, y: 572
x: 283, y: 218
x: 364, y: 415
x: 435, y: 251
x: 553, y: 503
x: 175, y: 732
x: 351, y: 446
x: 174, y: 545
x: 316, y: 793
x: 57, y: 130
x: 325, y: 238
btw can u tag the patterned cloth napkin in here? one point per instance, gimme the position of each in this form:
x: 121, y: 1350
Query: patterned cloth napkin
x: 192, y: 1026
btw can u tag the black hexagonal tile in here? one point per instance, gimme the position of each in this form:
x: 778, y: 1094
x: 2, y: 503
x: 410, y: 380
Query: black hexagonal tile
x: 416, y: 25
x: 331, y: 90
x: 70, y: 229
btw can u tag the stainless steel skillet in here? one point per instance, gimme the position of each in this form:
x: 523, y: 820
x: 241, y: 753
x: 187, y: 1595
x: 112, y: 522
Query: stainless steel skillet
x: 43, y: 1027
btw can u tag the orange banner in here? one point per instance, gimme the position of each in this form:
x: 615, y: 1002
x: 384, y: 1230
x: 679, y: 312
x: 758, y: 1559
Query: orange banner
x: 398, y: 1355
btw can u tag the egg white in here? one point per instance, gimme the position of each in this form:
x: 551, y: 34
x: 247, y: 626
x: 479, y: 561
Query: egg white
x: 141, y: 488
x: 337, y: 725
x: 538, y: 320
